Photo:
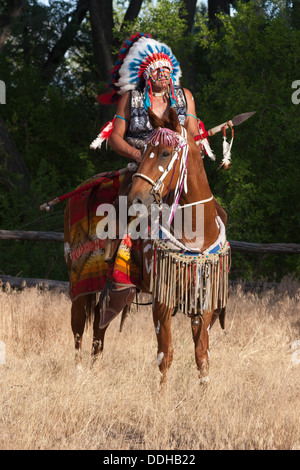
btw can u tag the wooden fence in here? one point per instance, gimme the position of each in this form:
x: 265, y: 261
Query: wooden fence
x: 243, y: 247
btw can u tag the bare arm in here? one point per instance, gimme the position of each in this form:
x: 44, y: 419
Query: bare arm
x: 116, y: 139
x: 191, y: 121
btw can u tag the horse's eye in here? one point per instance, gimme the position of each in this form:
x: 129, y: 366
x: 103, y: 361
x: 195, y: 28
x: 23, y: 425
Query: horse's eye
x: 165, y: 154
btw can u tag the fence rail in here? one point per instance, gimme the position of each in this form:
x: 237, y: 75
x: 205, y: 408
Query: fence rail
x: 62, y: 286
x: 31, y: 235
x: 243, y: 247
x: 271, y: 248
x: 22, y: 282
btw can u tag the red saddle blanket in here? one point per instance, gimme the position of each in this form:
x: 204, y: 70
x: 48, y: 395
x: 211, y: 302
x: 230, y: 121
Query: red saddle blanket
x: 88, y: 269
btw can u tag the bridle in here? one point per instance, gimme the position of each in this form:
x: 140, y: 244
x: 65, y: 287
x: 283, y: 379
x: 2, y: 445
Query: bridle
x: 181, y: 142
x: 180, y: 146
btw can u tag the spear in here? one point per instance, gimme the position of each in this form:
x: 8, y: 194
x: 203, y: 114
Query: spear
x: 232, y: 122
x: 104, y: 177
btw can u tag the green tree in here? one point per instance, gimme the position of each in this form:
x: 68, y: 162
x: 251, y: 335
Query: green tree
x: 56, y: 59
x: 252, y: 66
x: 49, y: 64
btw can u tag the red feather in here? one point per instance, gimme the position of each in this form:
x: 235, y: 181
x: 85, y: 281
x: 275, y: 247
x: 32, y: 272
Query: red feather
x: 106, y: 98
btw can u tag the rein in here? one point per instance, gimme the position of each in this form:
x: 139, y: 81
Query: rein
x: 170, y: 137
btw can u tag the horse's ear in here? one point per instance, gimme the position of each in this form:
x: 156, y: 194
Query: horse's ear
x: 173, y: 120
x: 155, y: 121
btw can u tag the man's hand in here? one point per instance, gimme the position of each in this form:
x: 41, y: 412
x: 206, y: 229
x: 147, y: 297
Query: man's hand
x: 138, y: 156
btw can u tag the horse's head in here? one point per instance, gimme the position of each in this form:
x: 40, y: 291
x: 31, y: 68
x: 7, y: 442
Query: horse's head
x: 162, y: 165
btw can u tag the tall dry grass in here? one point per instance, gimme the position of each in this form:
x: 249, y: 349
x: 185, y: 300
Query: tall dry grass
x: 252, y: 401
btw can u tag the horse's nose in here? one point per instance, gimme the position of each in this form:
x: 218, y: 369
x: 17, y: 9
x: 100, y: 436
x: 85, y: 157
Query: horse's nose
x: 137, y: 200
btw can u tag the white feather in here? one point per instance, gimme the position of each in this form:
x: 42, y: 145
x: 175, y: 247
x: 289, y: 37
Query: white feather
x: 97, y: 142
x: 101, y: 138
x: 226, y: 152
x: 209, y: 151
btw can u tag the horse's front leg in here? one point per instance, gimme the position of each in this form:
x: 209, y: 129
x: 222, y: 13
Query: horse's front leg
x: 162, y: 323
x: 200, y: 330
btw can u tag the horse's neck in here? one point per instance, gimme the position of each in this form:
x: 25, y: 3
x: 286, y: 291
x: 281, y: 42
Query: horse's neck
x: 198, y: 207
x: 197, y: 184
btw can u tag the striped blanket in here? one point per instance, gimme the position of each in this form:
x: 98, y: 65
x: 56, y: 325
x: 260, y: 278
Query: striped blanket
x: 89, y: 270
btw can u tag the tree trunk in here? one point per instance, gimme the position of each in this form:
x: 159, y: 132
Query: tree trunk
x: 66, y: 40
x: 11, y: 161
x: 132, y: 11
x: 7, y: 18
x: 189, y: 15
x: 296, y: 14
x: 101, y: 14
x: 216, y: 6
x: 187, y: 12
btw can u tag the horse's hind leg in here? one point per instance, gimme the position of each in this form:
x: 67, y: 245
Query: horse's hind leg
x: 98, y: 336
x: 78, y: 317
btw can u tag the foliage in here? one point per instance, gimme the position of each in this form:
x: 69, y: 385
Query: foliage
x: 247, y: 64
x: 247, y: 73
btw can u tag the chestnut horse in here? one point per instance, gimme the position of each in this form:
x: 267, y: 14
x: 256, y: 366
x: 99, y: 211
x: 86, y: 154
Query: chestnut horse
x: 156, y: 181
x: 163, y: 177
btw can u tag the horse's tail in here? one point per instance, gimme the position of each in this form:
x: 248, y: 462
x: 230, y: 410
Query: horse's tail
x: 91, y: 305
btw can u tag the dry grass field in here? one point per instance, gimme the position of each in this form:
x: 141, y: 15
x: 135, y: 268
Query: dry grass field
x: 252, y: 401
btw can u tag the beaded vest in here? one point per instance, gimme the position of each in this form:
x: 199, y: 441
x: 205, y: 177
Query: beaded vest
x: 139, y: 127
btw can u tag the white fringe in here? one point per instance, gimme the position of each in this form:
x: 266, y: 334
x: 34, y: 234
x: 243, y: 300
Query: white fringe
x: 194, y: 284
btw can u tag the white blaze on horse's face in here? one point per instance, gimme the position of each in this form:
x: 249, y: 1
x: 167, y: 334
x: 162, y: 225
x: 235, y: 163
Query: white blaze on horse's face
x: 164, y: 162
x: 160, y: 160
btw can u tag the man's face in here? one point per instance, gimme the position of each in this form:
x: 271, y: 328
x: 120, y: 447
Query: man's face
x: 161, y: 77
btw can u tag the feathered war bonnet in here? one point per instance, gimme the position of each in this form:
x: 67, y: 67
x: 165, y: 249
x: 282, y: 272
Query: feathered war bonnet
x: 137, y: 58
x: 145, y: 56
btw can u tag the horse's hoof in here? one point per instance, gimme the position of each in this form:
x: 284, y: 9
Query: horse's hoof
x: 204, y: 380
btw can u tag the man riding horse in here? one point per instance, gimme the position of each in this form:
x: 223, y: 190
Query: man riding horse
x: 146, y: 76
